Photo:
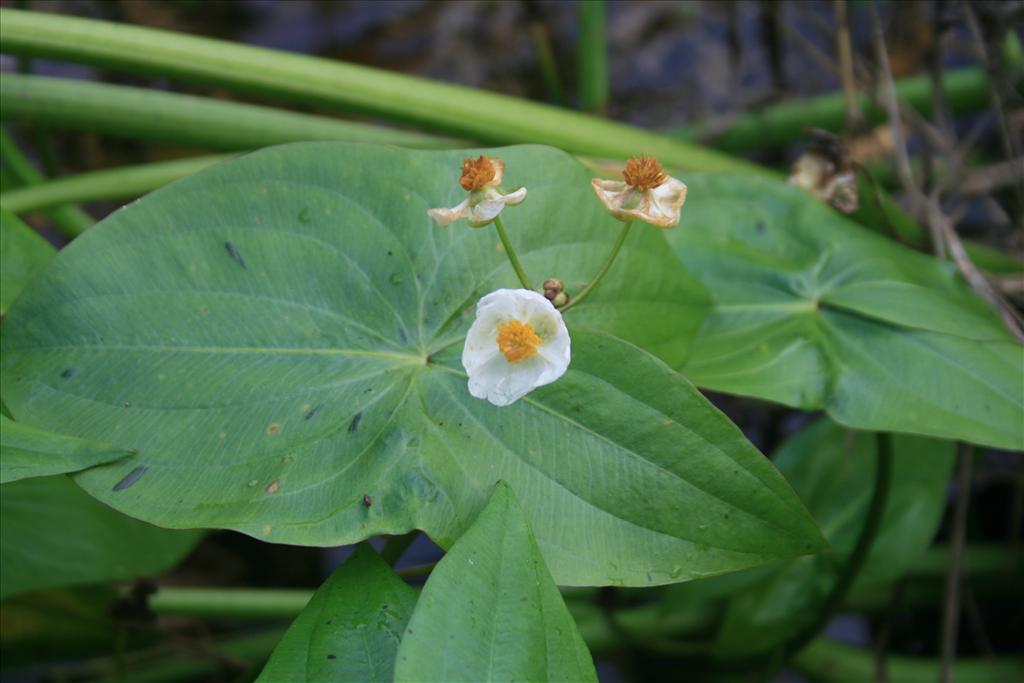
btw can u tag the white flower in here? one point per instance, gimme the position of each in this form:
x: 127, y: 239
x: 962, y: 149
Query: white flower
x: 481, y: 178
x: 648, y: 194
x: 517, y: 343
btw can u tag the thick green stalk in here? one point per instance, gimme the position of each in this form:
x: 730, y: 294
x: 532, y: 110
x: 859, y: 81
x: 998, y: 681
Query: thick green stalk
x: 230, y: 603
x: 593, y: 56
x: 145, y: 114
x: 827, y: 661
x: 476, y: 114
x: 623, y: 234
x: 71, y: 220
x: 783, y: 123
x: 117, y: 183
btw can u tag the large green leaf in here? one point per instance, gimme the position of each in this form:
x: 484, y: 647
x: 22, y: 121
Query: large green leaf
x: 814, y: 311
x: 279, y: 337
x: 27, y: 451
x: 833, y: 469
x: 350, y: 629
x: 491, y: 612
x: 54, y: 534
x: 22, y: 254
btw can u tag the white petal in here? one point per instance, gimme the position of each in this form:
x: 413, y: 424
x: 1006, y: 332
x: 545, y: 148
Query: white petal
x: 446, y: 217
x: 613, y: 193
x: 485, y: 212
x: 502, y: 383
x: 517, y: 197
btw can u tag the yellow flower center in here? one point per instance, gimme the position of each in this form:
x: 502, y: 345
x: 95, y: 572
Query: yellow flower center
x: 644, y: 173
x: 518, y: 341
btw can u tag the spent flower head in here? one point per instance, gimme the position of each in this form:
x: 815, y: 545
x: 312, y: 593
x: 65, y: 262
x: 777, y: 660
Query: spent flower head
x: 827, y: 180
x: 481, y: 177
x: 648, y: 194
x: 517, y: 343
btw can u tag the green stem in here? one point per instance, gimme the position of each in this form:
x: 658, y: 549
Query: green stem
x: 845, y: 581
x: 513, y: 259
x: 783, y: 123
x: 140, y: 114
x: 593, y: 56
x: 71, y: 220
x: 604, y: 269
x: 546, y: 62
x: 240, y: 603
x: 311, y: 81
x: 118, y: 183
x: 476, y: 114
x: 827, y: 661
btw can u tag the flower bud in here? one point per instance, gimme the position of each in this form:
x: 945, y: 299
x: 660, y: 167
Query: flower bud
x: 552, y: 287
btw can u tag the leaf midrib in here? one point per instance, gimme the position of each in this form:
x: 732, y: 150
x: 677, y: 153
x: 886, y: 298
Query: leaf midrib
x: 623, y: 449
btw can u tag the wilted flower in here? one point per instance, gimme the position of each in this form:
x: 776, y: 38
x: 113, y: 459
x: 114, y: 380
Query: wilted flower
x: 481, y: 178
x: 517, y: 343
x: 832, y: 182
x: 827, y: 171
x: 648, y: 193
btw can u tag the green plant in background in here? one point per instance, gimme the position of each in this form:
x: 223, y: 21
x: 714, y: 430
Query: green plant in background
x: 289, y: 344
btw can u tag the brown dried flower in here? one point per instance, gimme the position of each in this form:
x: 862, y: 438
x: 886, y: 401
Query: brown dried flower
x: 476, y: 173
x: 649, y: 194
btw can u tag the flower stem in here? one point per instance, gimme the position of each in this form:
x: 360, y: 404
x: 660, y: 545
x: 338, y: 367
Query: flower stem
x: 848, y: 574
x: 516, y: 265
x: 604, y: 269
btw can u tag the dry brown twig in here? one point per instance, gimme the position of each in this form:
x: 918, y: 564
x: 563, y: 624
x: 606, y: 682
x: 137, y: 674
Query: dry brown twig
x: 854, y: 117
x: 941, y: 227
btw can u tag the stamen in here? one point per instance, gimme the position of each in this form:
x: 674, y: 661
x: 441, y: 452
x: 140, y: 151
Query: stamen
x: 644, y: 173
x: 476, y: 173
x: 518, y: 341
